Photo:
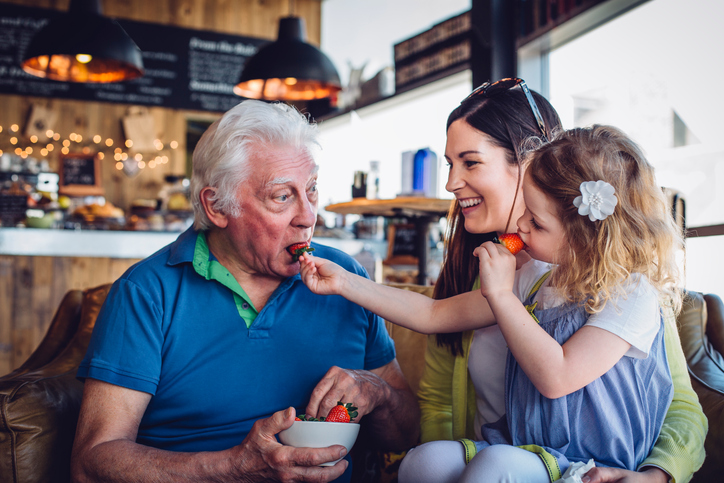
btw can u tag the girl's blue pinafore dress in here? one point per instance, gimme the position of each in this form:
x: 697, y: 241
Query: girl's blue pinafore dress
x: 615, y: 419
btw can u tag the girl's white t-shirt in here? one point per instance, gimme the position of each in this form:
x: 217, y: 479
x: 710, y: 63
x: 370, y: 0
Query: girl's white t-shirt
x: 636, y: 319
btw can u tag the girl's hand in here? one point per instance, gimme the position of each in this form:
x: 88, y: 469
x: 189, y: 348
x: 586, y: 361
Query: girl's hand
x: 497, y: 269
x: 321, y: 276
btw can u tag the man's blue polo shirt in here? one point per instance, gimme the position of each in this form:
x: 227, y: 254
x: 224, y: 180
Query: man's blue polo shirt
x: 166, y: 330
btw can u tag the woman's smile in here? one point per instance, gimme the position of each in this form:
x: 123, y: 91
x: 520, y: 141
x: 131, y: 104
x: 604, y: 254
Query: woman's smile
x: 469, y: 202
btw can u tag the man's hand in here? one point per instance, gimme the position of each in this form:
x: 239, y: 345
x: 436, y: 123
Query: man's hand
x: 364, y: 389
x: 382, y: 394
x: 262, y: 458
x: 617, y: 475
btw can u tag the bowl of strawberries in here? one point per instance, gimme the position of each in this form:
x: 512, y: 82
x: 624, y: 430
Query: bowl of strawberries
x: 337, y: 428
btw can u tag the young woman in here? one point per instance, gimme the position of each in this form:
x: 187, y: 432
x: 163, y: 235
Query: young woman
x: 587, y: 376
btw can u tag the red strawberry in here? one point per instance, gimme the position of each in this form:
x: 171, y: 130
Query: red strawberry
x: 297, y: 419
x: 296, y: 249
x: 342, y: 413
x: 511, y: 241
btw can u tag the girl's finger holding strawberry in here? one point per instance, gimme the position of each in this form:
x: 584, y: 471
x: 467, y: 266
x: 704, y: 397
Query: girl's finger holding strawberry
x: 497, y: 268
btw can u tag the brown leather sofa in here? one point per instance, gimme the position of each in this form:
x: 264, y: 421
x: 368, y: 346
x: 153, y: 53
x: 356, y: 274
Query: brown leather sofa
x: 39, y: 401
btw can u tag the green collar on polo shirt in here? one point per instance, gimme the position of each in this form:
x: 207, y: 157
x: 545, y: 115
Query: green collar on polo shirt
x: 210, y: 268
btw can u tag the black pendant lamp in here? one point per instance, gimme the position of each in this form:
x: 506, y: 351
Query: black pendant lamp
x: 289, y: 69
x: 83, y: 46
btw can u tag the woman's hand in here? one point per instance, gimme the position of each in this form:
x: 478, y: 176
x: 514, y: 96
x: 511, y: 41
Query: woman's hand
x: 321, y: 276
x: 497, y: 269
x: 617, y: 475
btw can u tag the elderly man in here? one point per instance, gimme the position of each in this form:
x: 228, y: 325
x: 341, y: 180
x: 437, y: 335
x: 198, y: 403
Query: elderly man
x: 204, y: 351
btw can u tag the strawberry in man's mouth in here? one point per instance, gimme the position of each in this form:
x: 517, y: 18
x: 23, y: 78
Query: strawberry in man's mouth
x: 298, y: 249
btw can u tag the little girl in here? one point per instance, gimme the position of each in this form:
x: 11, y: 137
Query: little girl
x: 586, y: 375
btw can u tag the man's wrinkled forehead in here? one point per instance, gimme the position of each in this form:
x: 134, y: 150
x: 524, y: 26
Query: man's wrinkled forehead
x: 287, y: 179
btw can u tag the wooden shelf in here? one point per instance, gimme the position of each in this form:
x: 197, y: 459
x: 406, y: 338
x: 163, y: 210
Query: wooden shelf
x: 411, y: 206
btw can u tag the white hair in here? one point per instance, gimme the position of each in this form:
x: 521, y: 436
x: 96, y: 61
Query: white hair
x: 221, y: 158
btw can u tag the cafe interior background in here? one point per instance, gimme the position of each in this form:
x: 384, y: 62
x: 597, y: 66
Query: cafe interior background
x: 649, y: 67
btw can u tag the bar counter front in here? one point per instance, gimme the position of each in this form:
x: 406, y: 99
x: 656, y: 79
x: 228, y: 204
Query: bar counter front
x: 38, y: 267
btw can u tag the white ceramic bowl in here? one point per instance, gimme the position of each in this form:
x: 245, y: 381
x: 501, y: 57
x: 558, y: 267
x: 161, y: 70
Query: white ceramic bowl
x: 320, y: 434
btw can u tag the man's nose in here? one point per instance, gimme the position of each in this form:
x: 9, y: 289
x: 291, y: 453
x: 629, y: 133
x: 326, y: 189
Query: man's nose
x: 307, y: 213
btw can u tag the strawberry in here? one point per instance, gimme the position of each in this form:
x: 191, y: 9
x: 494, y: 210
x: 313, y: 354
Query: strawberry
x: 342, y: 413
x: 511, y: 241
x: 297, y: 249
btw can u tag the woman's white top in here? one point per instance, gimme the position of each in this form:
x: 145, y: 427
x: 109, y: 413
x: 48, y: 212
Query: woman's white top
x: 634, y: 318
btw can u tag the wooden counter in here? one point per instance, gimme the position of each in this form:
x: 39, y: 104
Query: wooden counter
x: 37, y: 268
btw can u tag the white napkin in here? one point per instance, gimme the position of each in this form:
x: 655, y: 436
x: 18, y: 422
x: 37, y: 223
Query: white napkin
x: 575, y: 472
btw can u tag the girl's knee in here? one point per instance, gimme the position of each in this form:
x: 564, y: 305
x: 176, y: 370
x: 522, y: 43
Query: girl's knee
x: 442, y: 461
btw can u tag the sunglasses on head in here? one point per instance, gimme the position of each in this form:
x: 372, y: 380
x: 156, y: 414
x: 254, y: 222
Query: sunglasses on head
x: 491, y: 90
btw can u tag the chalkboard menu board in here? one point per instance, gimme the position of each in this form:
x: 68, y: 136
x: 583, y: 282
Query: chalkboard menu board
x: 402, y: 246
x: 184, y: 69
x: 80, y: 175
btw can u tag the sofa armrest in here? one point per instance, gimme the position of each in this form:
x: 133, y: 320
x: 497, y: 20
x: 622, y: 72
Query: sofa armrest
x: 39, y: 406
x: 696, y: 321
x: 701, y: 328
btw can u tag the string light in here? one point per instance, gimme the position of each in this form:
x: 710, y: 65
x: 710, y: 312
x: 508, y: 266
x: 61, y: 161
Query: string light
x: 75, y: 143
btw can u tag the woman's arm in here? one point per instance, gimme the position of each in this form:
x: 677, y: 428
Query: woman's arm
x: 402, y: 307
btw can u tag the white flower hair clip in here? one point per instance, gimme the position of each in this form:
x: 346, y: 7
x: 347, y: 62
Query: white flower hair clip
x: 597, y: 200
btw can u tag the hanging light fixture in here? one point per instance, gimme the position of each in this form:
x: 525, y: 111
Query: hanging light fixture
x: 83, y: 46
x: 289, y: 69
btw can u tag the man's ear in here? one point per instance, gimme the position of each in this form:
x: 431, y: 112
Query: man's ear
x: 216, y: 216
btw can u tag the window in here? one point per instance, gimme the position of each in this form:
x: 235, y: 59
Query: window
x: 654, y: 72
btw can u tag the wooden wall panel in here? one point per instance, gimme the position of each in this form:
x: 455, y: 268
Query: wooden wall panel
x: 257, y: 18
x: 31, y: 288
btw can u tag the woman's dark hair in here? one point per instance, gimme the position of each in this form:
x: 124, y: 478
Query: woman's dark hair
x: 509, y: 121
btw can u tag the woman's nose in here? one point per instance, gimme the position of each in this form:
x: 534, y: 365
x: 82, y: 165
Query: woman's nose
x: 454, y: 180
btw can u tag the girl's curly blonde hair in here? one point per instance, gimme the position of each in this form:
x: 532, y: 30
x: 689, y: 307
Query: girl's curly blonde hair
x: 639, y: 237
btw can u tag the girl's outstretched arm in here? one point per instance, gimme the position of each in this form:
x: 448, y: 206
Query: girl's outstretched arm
x: 402, y: 307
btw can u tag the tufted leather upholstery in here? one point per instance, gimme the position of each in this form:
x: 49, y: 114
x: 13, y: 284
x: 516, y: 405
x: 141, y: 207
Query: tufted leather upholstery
x: 39, y: 401
x: 701, y: 328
